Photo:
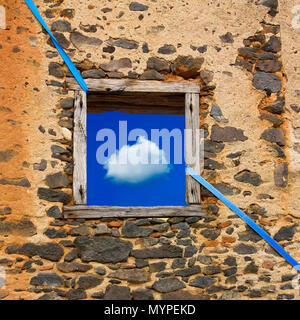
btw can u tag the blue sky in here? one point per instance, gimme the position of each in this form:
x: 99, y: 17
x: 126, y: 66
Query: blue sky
x: 134, y: 184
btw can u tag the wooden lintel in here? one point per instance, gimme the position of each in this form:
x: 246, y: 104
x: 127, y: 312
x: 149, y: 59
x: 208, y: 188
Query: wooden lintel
x: 130, y: 85
x: 94, y: 212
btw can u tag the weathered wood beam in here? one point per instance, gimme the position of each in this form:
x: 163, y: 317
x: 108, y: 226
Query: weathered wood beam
x: 130, y: 85
x: 79, y: 148
x: 192, y: 146
x: 92, y: 212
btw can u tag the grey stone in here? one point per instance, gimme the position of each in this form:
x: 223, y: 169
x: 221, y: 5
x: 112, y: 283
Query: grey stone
x: 73, y: 267
x: 168, y: 285
x: 98, y: 295
x: 49, y: 279
x: 70, y: 256
x: 276, y: 107
x: 162, y: 227
x: 202, y: 282
x: 249, y: 236
x: 67, y: 103
x: 251, y: 268
x: 274, y: 135
x: 61, y: 25
x: 178, y: 263
x: 188, y: 271
x: 266, y: 81
x: 23, y: 182
x: 53, y: 195
x: 157, y: 266
x: 68, y: 13
x: 131, y: 275
x: 109, y: 49
x: 66, y: 124
x: 244, y: 249
x: 276, y: 122
x: 76, y: 294
x: 158, y: 64
x: 273, y: 45
x: 227, y: 38
x: 145, y: 48
x: 165, y: 251
x: 167, y: 49
x: 223, y: 188
x: 114, y: 292
x: 269, y: 3
x: 210, y: 270
x: 104, y: 250
x: 88, y: 282
x: 269, y: 66
x: 254, y: 53
x: 135, y: 6
x: 80, y: 40
x: 187, y: 66
x: 142, y: 294
x: 205, y: 259
x: 125, y: 44
x: 49, y: 296
x: 93, y: 73
x: 227, y: 134
x: 53, y: 233
x: 115, y: 65
x: 49, y: 251
x: 152, y: 75
x: 61, y: 39
x: 230, y: 271
x: 56, y: 70
x: 210, y: 234
x: 213, y: 165
x: 213, y: 146
x: 102, y: 229
x: 279, y: 151
x: 130, y: 230
x: 82, y: 230
x: 247, y: 176
x: 115, y: 75
x: 54, y: 212
x: 281, y: 175
x: 217, y: 114
x: 100, y: 270
x: 57, y: 180
x: 230, y: 295
x: 285, y: 233
x: 190, y: 251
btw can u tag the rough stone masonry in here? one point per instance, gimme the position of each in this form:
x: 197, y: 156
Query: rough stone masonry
x: 245, y: 56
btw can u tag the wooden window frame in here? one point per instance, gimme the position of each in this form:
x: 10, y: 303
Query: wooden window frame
x: 191, y: 92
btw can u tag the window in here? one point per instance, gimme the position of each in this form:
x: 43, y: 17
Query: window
x: 145, y: 100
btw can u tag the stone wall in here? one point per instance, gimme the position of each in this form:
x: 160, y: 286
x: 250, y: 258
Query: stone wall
x: 244, y: 54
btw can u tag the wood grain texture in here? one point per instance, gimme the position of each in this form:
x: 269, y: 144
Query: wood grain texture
x: 192, y: 146
x: 79, y: 148
x: 91, y: 212
x: 130, y: 85
x: 137, y: 102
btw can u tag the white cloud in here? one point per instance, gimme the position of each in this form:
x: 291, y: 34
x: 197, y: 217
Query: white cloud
x: 137, y: 163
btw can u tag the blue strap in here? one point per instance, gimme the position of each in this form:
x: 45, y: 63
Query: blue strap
x: 61, y: 51
x: 242, y: 215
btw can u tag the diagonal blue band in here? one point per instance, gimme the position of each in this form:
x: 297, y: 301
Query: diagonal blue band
x: 242, y: 215
x: 61, y: 51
